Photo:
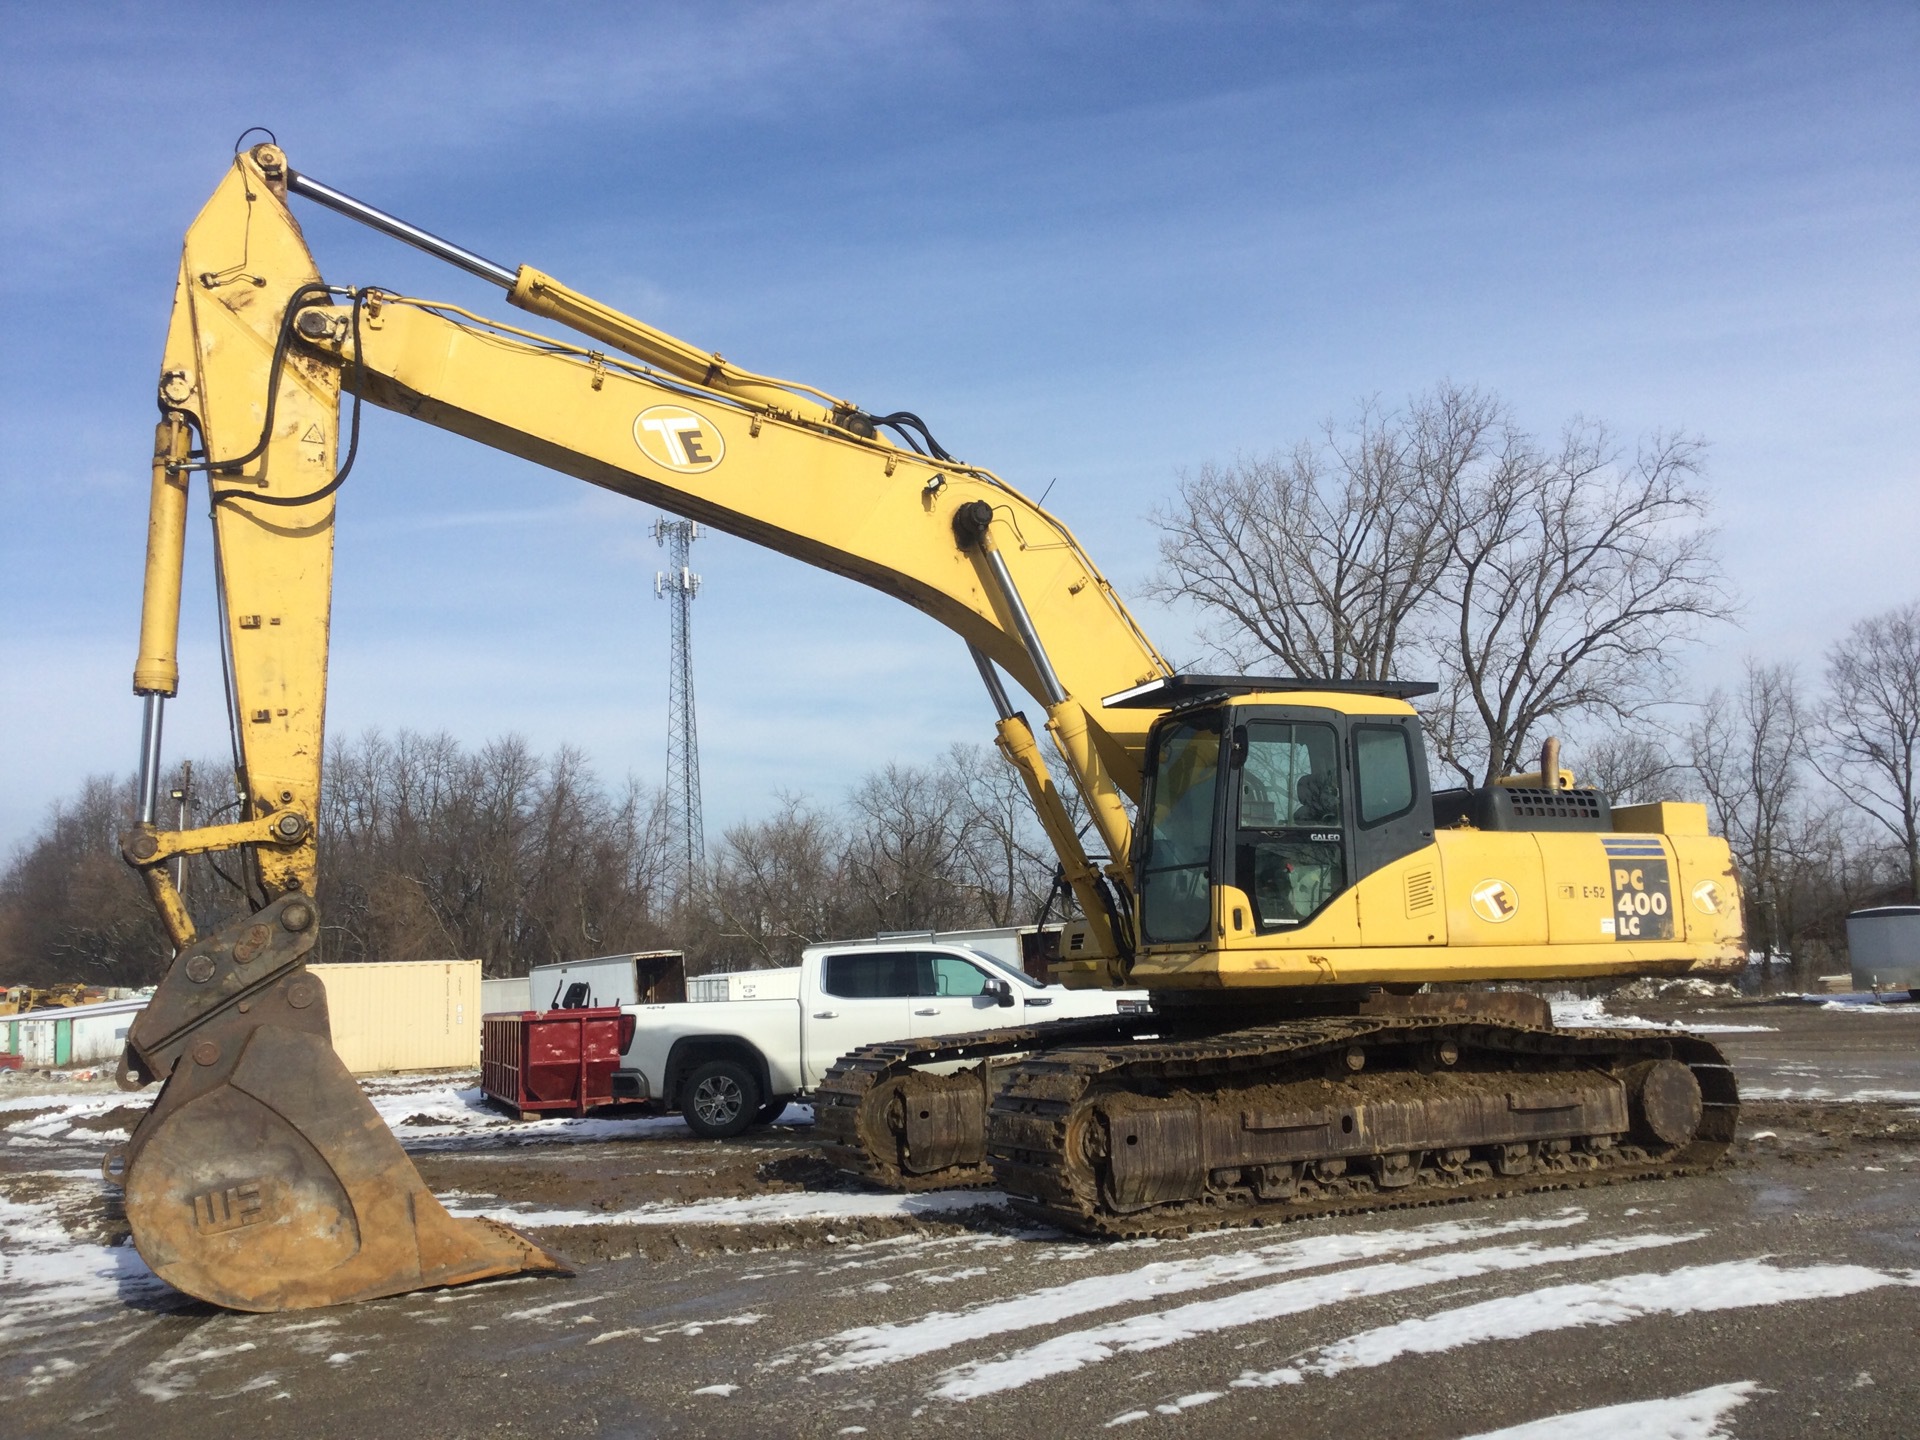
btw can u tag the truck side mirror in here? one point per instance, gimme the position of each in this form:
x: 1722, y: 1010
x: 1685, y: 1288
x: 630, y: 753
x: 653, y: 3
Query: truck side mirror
x: 1002, y: 992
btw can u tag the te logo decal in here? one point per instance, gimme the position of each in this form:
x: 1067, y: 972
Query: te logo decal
x: 678, y: 438
x: 1494, y: 901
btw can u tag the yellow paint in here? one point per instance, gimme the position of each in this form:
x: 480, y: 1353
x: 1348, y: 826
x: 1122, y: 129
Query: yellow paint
x: 1662, y: 817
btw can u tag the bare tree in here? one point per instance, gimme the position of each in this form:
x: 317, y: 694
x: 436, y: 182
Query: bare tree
x: 1631, y: 766
x: 1326, y: 558
x: 1748, y: 750
x: 72, y: 908
x: 904, y: 860
x: 1005, y: 859
x: 1869, y: 731
x: 1545, y: 585
x: 1572, y: 579
x: 778, y: 885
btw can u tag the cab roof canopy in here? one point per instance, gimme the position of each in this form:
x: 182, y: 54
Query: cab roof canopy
x: 1172, y: 691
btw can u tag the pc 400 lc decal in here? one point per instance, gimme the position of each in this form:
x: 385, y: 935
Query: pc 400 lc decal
x: 1642, y: 890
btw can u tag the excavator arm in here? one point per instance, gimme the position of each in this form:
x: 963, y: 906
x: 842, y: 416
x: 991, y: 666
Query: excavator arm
x: 262, y: 1179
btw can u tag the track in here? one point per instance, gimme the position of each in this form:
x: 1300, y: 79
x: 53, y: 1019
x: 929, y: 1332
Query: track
x: 860, y: 1109
x: 1095, y: 1130
x: 1543, y: 1110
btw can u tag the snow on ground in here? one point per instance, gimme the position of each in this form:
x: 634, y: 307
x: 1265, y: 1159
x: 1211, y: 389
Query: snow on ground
x: 750, y: 1210
x: 1136, y: 1334
x: 870, y: 1345
x: 51, y: 1282
x: 446, y: 1110
x: 1731, y: 1285
x: 1699, y: 1415
x: 1577, y: 1013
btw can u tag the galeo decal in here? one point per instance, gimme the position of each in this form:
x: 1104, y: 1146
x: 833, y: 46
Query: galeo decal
x: 1494, y: 901
x: 1642, y: 888
x: 683, y: 440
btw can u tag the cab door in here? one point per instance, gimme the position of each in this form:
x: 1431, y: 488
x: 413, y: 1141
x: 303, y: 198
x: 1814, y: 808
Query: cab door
x: 954, y: 997
x: 863, y: 998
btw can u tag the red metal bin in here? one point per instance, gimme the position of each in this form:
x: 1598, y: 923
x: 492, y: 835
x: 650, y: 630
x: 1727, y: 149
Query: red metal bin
x: 552, y: 1061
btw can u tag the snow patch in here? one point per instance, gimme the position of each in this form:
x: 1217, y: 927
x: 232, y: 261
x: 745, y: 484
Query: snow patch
x: 866, y: 1346
x: 1698, y: 1415
x: 752, y: 1209
x: 1075, y: 1350
x: 1730, y: 1285
x: 1582, y: 1014
x: 47, y: 1279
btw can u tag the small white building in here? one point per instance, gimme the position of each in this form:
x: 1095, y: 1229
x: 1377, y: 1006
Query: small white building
x: 75, y: 1035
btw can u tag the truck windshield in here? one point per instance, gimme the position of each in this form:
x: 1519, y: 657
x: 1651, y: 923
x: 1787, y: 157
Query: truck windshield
x: 1175, y: 893
x: 1007, y: 967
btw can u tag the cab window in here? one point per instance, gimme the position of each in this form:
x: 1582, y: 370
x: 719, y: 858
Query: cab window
x: 871, y: 975
x: 1383, y: 772
x: 1289, y: 850
x: 1176, y: 900
x: 950, y: 975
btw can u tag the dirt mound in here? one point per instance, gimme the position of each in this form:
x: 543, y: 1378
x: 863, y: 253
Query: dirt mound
x: 121, y: 1117
x: 1685, y: 989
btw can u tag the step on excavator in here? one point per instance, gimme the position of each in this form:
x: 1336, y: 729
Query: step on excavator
x: 1314, y: 921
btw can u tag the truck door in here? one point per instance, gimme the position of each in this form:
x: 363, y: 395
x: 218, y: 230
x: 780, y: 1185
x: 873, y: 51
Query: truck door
x: 863, y: 999
x: 952, y: 997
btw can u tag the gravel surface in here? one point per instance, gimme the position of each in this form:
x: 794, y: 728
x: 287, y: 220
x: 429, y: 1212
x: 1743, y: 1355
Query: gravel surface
x: 741, y: 1289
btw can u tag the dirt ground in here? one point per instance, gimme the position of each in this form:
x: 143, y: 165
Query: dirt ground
x: 742, y: 1288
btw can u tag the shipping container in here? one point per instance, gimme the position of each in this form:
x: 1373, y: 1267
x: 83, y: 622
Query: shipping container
x: 404, y: 1015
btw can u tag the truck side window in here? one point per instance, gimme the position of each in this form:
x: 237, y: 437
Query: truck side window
x: 950, y: 975
x: 871, y: 975
x: 1383, y: 768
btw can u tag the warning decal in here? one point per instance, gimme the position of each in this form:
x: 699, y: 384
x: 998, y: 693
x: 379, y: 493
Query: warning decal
x: 1642, y: 889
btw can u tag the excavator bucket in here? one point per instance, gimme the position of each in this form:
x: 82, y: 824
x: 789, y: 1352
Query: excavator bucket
x: 262, y: 1178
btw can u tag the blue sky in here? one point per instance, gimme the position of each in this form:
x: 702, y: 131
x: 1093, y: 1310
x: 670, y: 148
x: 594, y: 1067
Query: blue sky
x: 1093, y: 244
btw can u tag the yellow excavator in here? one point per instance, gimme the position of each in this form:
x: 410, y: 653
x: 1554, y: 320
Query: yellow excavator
x: 1277, y: 869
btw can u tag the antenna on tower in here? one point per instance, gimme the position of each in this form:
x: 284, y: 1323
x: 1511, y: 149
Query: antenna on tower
x: 678, y: 585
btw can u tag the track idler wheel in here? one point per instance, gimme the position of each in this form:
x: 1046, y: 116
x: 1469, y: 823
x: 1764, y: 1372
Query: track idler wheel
x: 1667, y: 1105
x: 262, y: 1178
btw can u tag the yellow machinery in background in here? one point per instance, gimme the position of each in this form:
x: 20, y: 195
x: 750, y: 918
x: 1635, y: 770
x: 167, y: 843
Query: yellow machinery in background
x: 1293, y: 891
x: 22, y: 999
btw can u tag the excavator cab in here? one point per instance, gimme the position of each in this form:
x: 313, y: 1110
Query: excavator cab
x: 1289, y: 804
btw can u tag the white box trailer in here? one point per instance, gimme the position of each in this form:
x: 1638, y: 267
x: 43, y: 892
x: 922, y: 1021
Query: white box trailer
x: 1883, y: 947
x: 639, y: 977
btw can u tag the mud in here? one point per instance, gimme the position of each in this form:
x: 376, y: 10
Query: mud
x: 122, y: 1118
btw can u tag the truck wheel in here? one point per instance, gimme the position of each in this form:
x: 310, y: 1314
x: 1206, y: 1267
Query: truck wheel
x: 721, y: 1099
x: 773, y: 1109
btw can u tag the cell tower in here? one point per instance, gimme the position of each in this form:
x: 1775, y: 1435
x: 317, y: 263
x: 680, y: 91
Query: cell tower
x: 678, y: 585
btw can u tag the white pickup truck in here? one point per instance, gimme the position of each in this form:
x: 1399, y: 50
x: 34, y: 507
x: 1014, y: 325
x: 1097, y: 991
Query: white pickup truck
x: 744, y: 1044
